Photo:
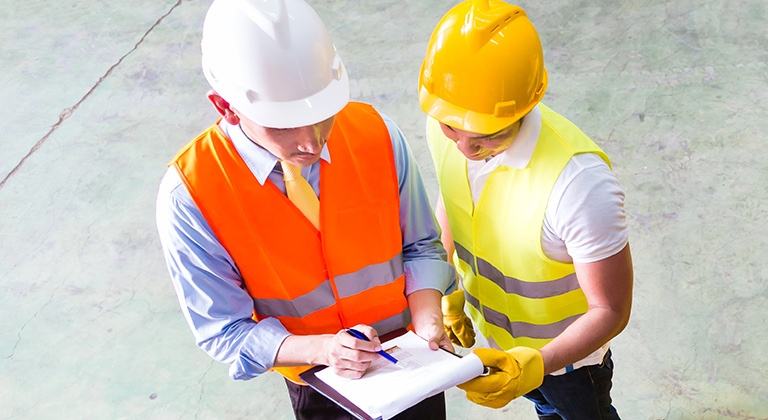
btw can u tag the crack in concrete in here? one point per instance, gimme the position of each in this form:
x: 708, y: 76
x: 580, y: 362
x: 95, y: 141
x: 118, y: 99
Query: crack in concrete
x: 201, y: 382
x: 69, y: 111
x: 24, y: 326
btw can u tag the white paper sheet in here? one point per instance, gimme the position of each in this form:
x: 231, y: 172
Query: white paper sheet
x: 386, y: 390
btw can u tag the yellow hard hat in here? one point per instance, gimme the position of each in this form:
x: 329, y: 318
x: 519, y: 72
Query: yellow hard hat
x: 484, y: 67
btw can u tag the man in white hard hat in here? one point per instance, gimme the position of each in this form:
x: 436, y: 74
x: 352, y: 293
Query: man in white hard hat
x: 268, y: 276
x: 534, y: 213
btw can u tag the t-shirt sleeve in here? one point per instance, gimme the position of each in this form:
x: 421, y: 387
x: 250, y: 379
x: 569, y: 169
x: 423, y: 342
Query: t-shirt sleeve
x: 585, y: 219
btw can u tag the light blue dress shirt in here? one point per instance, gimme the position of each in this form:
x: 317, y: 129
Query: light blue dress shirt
x: 207, y: 281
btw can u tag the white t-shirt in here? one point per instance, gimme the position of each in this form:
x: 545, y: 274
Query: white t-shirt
x: 584, y: 220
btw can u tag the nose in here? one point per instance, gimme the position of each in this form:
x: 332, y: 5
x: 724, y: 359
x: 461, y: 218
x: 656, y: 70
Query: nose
x: 467, y: 146
x: 311, y: 139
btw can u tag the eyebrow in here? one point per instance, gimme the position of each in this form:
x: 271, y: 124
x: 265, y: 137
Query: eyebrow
x: 483, y: 136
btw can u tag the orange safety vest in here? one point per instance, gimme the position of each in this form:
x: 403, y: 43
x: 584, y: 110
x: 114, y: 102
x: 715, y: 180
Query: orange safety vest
x: 314, y: 282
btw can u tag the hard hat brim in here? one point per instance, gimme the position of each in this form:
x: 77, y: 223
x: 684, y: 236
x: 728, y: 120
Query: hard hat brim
x: 303, y: 112
x: 461, y: 118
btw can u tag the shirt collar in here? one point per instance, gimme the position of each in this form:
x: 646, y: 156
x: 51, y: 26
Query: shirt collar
x: 259, y: 160
x: 518, y: 155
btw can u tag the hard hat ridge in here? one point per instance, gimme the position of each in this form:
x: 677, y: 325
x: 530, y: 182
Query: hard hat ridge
x: 484, y: 22
x: 271, y: 16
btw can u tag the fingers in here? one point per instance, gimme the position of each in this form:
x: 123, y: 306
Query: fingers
x: 372, y: 335
x: 349, y: 356
x: 493, y: 400
x: 501, y: 386
x: 492, y: 383
x: 495, y: 390
x: 465, y: 334
x: 436, y: 334
x: 459, y: 330
x: 446, y: 344
x: 355, y: 373
x: 445, y: 340
x: 468, y: 334
x: 350, y: 363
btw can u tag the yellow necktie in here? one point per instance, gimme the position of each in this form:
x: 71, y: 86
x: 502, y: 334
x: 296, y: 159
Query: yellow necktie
x: 301, y: 193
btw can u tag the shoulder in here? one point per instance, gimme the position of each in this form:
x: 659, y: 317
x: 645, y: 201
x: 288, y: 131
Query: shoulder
x: 172, y: 190
x: 174, y: 206
x: 583, y: 173
x: 399, y: 143
x: 586, y: 209
x: 405, y: 162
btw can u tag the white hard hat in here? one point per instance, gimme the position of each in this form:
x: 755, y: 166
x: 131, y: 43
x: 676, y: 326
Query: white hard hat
x: 273, y: 61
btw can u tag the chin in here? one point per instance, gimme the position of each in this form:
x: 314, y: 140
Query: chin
x: 478, y: 157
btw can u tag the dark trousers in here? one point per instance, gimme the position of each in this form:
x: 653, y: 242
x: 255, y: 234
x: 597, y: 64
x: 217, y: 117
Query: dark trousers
x: 309, y: 404
x: 583, y: 394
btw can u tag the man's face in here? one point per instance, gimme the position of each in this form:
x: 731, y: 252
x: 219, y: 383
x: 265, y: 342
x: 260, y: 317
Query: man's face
x: 476, y: 146
x: 300, y: 146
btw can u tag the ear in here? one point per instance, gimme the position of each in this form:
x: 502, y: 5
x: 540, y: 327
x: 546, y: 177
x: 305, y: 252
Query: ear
x: 223, y: 108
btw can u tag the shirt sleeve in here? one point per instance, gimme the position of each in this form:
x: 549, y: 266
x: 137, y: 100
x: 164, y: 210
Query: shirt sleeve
x: 585, y: 219
x: 210, y: 289
x: 423, y: 254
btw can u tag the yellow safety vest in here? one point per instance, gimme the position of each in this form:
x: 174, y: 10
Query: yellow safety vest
x: 516, y: 294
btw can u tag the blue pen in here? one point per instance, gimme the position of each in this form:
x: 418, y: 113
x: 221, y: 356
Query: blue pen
x: 357, y: 334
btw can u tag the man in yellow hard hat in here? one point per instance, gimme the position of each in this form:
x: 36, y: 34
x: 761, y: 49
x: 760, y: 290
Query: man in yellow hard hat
x: 299, y: 214
x: 535, y: 216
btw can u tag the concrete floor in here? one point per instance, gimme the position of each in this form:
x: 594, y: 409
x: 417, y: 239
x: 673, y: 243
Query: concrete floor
x: 97, y: 96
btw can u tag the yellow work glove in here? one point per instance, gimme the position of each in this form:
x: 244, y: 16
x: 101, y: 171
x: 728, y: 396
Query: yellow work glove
x: 457, y: 324
x: 512, y: 373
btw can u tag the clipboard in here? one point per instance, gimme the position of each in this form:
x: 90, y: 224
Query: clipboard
x: 310, y: 378
x: 315, y: 383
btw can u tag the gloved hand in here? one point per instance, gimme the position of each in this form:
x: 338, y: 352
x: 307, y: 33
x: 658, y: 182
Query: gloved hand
x: 513, y: 373
x: 457, y: 324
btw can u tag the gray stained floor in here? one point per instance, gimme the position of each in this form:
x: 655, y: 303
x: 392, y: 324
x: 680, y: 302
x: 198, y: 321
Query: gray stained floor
x: 98, y: 96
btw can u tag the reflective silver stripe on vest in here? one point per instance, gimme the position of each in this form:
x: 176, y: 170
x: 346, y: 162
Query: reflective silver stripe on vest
x: 524, y: 329
x: 533, y: 290
x: 370, y: 276
x: 520, y: 329
x: 472, y: 300
x: 320, y: 298
x: 401, y: 320
x: 465, y: 255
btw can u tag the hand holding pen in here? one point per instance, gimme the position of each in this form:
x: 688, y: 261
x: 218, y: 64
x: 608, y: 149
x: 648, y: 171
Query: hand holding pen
x: 357, y: 334
x: 350, y: 356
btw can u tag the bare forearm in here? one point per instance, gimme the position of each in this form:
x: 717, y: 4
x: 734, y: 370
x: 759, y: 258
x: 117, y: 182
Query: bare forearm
x: 425, y: 307
x: 607, y: 285
x: 587, y: 334
x: 427, y: 317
